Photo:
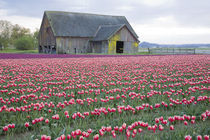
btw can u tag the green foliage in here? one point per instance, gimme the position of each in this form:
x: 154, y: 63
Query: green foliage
x: 35, y: 37
x: 18, y: 32
x: 13, y: 35
x: 24, y: 43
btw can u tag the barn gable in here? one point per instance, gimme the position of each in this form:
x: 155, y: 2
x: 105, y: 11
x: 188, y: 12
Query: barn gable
x: 104, y: 32
x: 46, y: 37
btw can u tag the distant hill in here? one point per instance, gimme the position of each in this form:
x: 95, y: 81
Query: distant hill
x: 154, y: 45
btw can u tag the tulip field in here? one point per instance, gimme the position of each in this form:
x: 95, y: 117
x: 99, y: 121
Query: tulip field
x: 124, y: 97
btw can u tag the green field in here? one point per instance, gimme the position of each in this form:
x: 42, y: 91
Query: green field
x: 18, y: 51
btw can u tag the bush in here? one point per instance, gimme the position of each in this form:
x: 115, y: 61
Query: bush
x: 24, y: 43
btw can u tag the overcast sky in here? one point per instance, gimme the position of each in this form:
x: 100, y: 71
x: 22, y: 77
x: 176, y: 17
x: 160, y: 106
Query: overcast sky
x: 157, y: 21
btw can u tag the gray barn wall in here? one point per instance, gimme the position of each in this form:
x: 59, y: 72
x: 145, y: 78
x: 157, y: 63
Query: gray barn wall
x: 95, y: 46
x: 129, y: 47
x: 98, y: 47
x: 105, y: 46
x: 68, y: 44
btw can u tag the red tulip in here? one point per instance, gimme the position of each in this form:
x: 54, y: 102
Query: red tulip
x: 156, y: 120
x: 161, y: 127
x: 43, y: 137
x: 192, y: 121
x: 188, y: 137
x: 46, y: 121
x: 5, y: 128
x: 113, y: 135
x: 130, y: 127
x: 27, y: 124
x: 120, y: 129
x: 206, y: 137
x: 134, y: 131
x: 78, y: 132
x: 133, y: 135
x: 139, y: 130
x: 33, y: 122
x: 89, y: 131
x: 185, y: 123
x: 96, y: 137
x: 128, y: 134
x: 116, y: 128
x: 108, y: 129
x: 199, y: 137
x: 66, y: 113
x: 68, y: 137
x: 171, y: 127
x: 193, y: 117
x: 48, y: 138
x: 124, y: 125
x: 101, y: 132
x: 81, y: 138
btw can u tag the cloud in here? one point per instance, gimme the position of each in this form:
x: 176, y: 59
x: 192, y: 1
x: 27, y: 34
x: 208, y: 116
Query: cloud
x: 155, y: 3
x: 153, y: 20
x: 27, y: 22
x: 2, y: 3
x: 175, y: 34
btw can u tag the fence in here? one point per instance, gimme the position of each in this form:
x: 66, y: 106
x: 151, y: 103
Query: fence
x: 171, y: 50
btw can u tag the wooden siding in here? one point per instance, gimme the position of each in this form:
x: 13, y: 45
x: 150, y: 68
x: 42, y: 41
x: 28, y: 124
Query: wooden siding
x: 69, y: 45
x: 98, y: 47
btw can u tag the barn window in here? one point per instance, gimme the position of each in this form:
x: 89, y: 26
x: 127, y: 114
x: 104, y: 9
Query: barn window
x: 119, y: 47
x: 75, y: 50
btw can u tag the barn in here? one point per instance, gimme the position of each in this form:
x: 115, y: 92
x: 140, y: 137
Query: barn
x: 74, y: 33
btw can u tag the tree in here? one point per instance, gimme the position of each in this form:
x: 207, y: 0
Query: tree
x: 5, y: 33
x: 36, y: 34
x: 15, y: 35
x: 24, y: 43
x: 18, y: 32
x: 35, y: 37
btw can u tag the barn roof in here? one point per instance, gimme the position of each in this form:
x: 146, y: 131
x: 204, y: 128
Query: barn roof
x: 83, y: 24
x: 104, y: 32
